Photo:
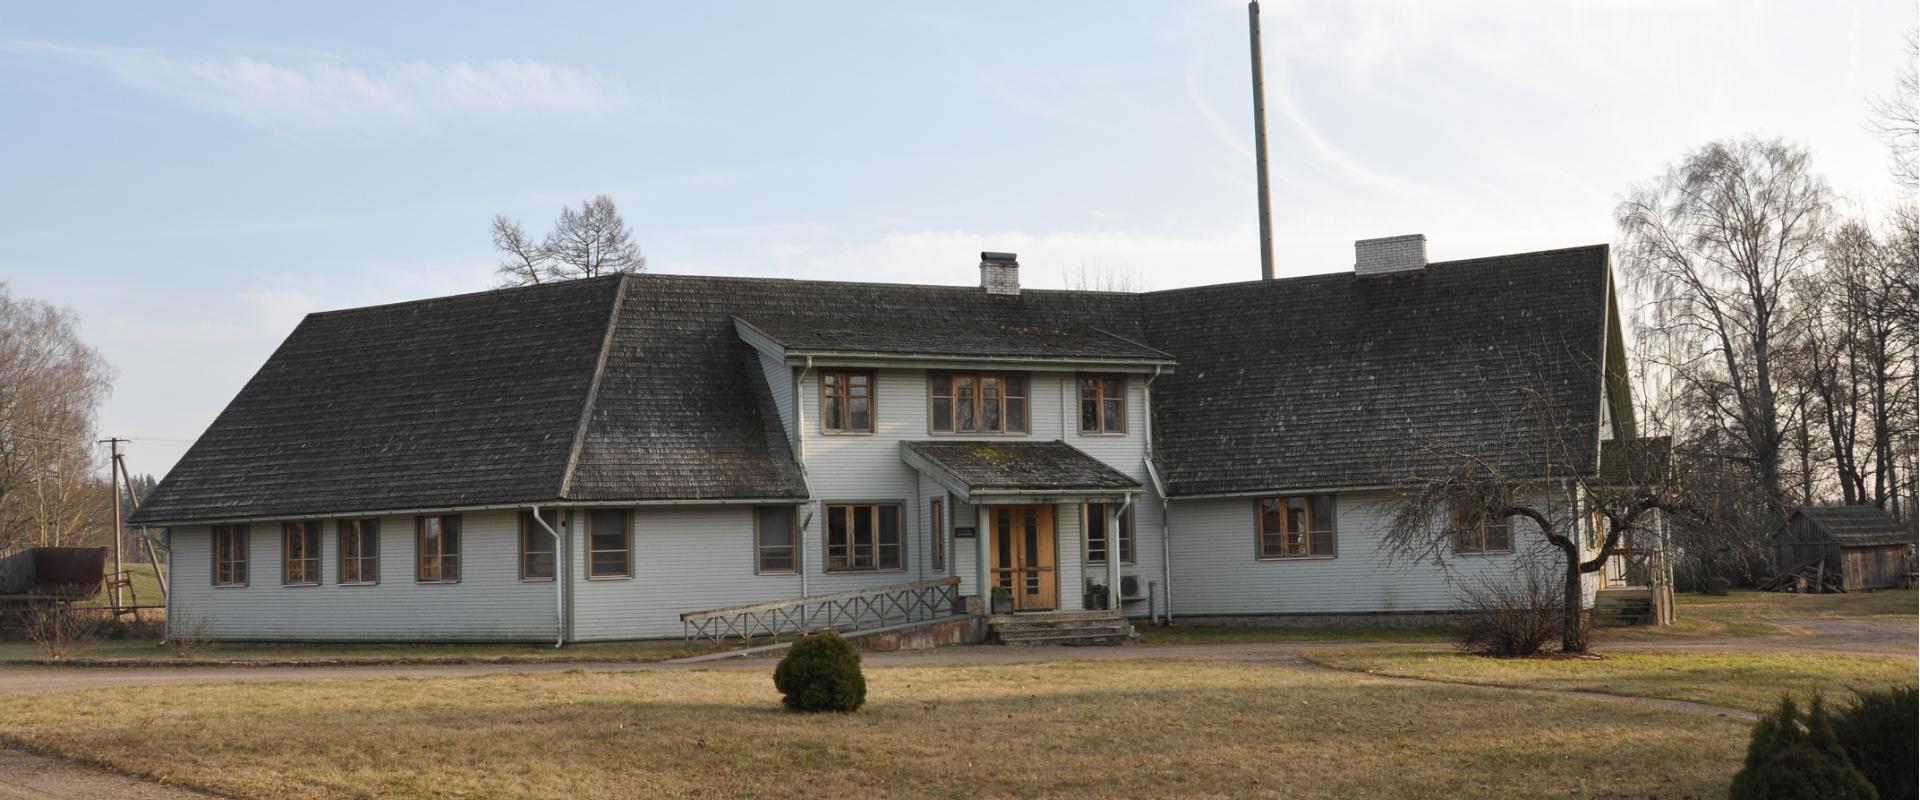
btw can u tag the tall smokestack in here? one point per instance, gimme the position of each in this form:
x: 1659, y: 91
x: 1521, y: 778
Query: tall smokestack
x: 1260, y: 141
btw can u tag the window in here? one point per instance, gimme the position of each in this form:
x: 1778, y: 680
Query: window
x: 437, y: 541
x: 1485, y: 536
x: 1103, y: 404
x: 1300, y: 526
x: 537, y: 545
x: 965, y: 402
x: 609, y: 544
x: 359, y: 551
x: 230, y: 555
x: 773, y: 539
x: 863, y: 537
x: 1097, y: 533
x: 300, y: 553
x: 936, y: 514
x: 846, y: 401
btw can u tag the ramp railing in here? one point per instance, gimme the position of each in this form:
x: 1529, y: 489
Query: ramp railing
x: 846, y: 612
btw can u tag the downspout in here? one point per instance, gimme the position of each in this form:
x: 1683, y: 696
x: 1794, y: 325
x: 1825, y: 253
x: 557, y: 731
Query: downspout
x: 800, y: 457
x: 559, y: 586
x: 1166, y: 550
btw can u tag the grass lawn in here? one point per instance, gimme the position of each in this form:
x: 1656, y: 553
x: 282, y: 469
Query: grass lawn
x: 146, y: 588
x: 1747, y: 613
x: 1203, y: 635
x: 1160, y: 728
x: 146, y: 652
x: 1744, y: 680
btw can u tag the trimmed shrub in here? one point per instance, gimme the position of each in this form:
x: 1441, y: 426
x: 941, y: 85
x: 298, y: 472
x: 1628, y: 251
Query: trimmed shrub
x: 821, y: 672
x: 1879, y: 731
x: 1516, y: 616
x: 1796, y: 757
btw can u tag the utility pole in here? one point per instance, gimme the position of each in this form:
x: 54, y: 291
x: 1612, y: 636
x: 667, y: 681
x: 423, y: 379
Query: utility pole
x: 114, y: 482
x: 146, y: 541
x: 1260, y: 141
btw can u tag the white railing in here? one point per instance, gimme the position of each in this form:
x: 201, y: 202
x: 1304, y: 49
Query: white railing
x: 856, y: 610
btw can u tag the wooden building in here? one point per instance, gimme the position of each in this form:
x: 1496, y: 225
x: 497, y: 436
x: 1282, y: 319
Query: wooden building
x: 1864, y: 545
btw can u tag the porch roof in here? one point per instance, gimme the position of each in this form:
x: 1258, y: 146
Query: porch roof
x: 980, y: 471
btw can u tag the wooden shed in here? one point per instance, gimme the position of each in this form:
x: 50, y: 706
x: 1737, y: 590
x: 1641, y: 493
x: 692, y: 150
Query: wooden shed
x: 1866, y: 547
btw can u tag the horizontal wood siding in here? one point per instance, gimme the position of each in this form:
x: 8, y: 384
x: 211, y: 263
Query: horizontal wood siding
x: 490, y: 603
x: 689, y: 558
x: 1215, y: 571
x: 780, y: 383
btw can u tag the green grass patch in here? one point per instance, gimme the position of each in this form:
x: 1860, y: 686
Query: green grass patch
x: 1742, y: 680
x: 145, y: 589
x: 1750, y: 614
x: 1154, y: 728
x: 1219, y: 634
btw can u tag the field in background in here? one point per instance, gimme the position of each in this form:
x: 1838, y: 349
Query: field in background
x: 1175, y: 727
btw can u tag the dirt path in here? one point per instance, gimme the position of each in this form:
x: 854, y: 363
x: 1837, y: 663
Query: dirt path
x: 24, y: 776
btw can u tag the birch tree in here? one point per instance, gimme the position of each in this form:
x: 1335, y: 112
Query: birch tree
x: 51, y: 385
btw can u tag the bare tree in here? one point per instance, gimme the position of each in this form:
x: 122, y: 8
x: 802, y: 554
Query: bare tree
x: 51, y: 385
x: 1896, y: 119
x: 587, y: 242
x: 1715, y: 246
x: 1104, y: 279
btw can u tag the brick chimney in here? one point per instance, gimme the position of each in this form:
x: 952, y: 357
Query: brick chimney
x: 1390, y: 255
x: 1000, y: 273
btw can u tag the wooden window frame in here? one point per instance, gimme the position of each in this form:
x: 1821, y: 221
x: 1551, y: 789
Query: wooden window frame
x: 937, y: 525
x: 233, y: 566
x: 1129, y: 549
x: 444, y: 557
x: 1103, y: 425
x: 309, y: 532
x: 1262, y: 536
x: 848, y: 560
x: 760, y: 547
x: 979, y: 402
x: 366, y: 566
x: 841, y: 424
x: 625, y: 550
x: 1473, y: 542
x: 530, y: 533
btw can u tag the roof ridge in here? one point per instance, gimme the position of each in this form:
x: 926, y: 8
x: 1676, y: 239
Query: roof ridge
x: 593, y: 389
x: 464, y: 295
x: 1349, y: 272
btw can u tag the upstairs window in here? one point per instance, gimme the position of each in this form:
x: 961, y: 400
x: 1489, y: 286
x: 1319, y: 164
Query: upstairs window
x: 609, y: 543
x: 1486, y: 536
x: 359, y: 551
x: 437, y: 545
x: 1103, y: 404
x: 537, y: 545
x: 864, y: 537
x: 846, y: 401
x: 773, y: 540
x: 1299, y: 526
x: 230, y: 555
x: 1097, y: 516
x: 977, y: 402
x: 300, y: 554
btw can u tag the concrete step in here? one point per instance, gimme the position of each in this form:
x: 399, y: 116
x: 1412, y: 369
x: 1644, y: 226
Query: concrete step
x: 1011, y: 634
x: 1102, y: 640
x: 1052, y: 616
x: 1061, y: 628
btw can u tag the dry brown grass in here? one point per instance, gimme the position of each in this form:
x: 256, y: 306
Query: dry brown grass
x: 1065, y: 729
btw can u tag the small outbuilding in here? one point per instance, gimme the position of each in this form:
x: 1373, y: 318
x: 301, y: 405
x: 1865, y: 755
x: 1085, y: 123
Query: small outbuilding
x: 1851, y: 547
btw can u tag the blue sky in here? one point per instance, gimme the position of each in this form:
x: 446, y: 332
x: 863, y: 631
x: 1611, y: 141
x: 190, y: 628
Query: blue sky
x: 192, y: 180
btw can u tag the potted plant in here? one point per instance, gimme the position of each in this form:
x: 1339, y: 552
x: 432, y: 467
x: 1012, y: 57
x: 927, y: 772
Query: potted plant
x: 1002, y: 600
x: 1096, y: 596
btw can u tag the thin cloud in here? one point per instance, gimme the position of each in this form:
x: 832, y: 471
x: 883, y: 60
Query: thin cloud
x: 335, y: 99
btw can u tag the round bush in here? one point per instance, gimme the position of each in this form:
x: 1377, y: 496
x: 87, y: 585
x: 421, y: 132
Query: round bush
x: 821, y: 672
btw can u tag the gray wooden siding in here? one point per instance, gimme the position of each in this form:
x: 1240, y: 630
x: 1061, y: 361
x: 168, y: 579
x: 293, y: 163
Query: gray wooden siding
x: 1215, y: 571
x: 780, y: 382
x: 490, y: 603
x: 685, y: 558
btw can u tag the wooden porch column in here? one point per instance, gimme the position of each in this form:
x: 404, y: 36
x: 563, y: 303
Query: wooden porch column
x: 1113, y: 556
x: 983, y: 544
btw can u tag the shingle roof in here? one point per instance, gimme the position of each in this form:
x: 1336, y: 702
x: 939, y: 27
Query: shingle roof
x: 1017, y: 466
x: 895, y: 319
x: 462, y: 400
x: 1858, y: 526
x: 1331, y: 380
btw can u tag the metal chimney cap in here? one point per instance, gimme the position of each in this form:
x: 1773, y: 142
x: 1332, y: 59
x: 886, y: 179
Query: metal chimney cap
x: 989, y: 257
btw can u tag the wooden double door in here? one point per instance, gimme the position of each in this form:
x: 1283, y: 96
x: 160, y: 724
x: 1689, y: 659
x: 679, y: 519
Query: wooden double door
x: 1023, y: 555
